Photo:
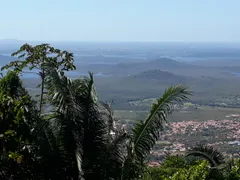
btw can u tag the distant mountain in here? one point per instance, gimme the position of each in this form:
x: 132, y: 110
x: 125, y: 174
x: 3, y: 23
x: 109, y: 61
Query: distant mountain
x: 164, y: 63
x: 151, y: 83
x: 160, y: 63
x: 5, y: 59
x: 159, y: 75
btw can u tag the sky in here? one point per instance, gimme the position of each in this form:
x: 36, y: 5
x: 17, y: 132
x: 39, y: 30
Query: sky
x: 120, y: 20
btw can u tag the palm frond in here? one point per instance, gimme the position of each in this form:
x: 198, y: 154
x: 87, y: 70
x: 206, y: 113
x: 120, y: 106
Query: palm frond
x: 59, y: 90
x: 147, y: 132
x: 69, y: 142
x: 108, y: 114
x: 84, y: 89
x: 214, y: 157
x: 118, y: 146
x: 115, y: 150
x: 114, y: 157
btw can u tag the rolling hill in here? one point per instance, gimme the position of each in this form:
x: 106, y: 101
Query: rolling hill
x: 130, y: 68
x: 164, y: 63
x: 160, y: 76
x: 5, y: 59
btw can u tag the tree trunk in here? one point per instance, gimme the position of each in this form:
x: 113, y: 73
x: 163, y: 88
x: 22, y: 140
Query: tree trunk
x: 42, y: 89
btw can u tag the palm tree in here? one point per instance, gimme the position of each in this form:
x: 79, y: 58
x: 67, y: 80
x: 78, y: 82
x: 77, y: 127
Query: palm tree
x: 88, y: 138
x: 83, y: 131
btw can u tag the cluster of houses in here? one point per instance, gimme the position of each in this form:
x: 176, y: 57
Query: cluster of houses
x: 180, y: 135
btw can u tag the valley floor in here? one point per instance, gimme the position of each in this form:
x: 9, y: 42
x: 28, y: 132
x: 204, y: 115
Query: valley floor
x: 218, y: 127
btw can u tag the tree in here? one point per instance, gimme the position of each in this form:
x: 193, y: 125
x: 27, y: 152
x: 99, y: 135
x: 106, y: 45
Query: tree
x: 83, y: 130
x: 18, y: 120
x: 41, y: 57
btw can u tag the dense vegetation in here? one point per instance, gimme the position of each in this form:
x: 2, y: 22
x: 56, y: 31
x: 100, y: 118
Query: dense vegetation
x: 69, y: 134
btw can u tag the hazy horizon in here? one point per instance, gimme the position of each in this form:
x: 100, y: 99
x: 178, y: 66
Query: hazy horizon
x: 114, y: 41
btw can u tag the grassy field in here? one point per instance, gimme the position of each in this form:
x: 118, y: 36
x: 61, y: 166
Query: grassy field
x: 202, y: 113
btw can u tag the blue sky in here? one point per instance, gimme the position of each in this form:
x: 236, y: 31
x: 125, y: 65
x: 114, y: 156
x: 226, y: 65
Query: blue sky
x: 120, y: 20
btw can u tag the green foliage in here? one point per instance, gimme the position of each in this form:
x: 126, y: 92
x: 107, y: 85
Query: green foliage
x: 17, y: 112
x: 18, y: 119
x: 184, y: 167
x: 41, y: 57
x: 232, y: 170
x: 196, y: 172
x: 182, y: 171
x: 178, y: 168
x: 159, y: 173
x: 174, y: 162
